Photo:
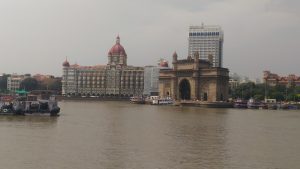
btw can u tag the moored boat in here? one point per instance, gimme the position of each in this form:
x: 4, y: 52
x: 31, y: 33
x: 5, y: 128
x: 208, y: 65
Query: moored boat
x: 239, y: 103
x: 262, y: 105
x: 162, y: 101
x: 272, y: 106
x: 137, y: 100
x: 30, y: 105
x: 287, y: 106
x: 253, y: 104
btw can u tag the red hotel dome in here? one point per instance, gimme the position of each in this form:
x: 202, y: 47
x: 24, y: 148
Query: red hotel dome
x: 117, y: 49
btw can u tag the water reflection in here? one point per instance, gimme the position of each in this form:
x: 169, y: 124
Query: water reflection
x: 117, y: 135
x: 149, y: 137
x: 32, y: 121
x: 196, y: 138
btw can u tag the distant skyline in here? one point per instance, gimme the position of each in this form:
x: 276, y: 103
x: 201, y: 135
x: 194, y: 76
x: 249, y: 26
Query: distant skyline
x: 36, y: 36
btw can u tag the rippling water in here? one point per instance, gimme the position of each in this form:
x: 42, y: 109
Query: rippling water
x: 119, y: 135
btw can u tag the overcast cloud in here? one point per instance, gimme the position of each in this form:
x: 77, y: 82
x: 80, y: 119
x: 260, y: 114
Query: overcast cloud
x: 36, y: 35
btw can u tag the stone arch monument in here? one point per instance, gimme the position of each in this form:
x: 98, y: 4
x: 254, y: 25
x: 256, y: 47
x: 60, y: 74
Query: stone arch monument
x: 194, y: 79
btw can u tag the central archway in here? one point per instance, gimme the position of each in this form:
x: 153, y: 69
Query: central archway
x: 185, y: 90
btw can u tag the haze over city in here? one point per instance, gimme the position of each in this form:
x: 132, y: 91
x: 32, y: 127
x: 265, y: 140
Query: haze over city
x: 36, y: 36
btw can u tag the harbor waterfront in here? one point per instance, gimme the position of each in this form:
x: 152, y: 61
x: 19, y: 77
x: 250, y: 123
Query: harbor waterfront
x: 115, y: 134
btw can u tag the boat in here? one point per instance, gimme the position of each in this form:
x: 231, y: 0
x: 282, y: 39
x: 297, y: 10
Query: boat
x: 287, y: 106
x: 263, y: 105
x: 162, y: 101
x: 239, y: 103
x: 253, y: 104
x: 30, y: 105
x: 149, y: 99
x: 137, y: 100
x: 33, y: 105
x: 6, y: 108
x: 6, y: 105
x: 272, y: 106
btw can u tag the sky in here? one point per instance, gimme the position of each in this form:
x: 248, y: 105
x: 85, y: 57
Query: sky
x: 37, y: 35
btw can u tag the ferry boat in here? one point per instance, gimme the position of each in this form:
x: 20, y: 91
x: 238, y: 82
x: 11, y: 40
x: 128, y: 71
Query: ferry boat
x: 288, y: 106
x: 253, y: 104
x: 271, y: 104
x: 6, y: 104
x: 137, y: 100
x: 239, y: 103
x: 162, y: 101
x: 30, y: 105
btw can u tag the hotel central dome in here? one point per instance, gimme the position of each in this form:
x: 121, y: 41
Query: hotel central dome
x: 117, y: 49
x: 117, y: 55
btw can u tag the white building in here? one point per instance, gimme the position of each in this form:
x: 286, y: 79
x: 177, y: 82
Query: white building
x: 207, y: 40
x: 14, y: 81
x: 233, y: 83
x: 151, y: 75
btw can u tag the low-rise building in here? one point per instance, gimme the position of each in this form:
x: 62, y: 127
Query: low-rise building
x: 233, y: 83
x: 14, y: 81
x: 273, y: 79
x: 151, y: 77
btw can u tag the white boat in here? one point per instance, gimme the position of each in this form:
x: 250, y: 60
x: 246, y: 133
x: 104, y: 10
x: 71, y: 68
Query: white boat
x: 162, y: 101
x: 137, y: 100
x: 252, y: 104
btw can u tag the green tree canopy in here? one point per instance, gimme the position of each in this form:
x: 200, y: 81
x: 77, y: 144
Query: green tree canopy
x: 260, y: 91
x: 51, y: 84
x: 29, y: 84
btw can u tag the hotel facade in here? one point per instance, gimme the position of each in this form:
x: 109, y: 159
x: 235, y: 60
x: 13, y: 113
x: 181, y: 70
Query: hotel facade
x: 116, y: 79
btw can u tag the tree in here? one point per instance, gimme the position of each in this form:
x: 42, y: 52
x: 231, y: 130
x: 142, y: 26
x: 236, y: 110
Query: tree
x: 245, y: 91
x: 29, y: 84
x: 259, y: 97
x: 50, y: 84
x: 279, y: 96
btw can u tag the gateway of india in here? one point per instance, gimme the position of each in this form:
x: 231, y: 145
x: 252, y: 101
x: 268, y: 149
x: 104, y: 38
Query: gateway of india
x: 194, y: 79
x: 116, y: 79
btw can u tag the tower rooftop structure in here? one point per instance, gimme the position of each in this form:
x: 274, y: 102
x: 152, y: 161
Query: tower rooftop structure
x: 66, y: 63
x: 208, y: 41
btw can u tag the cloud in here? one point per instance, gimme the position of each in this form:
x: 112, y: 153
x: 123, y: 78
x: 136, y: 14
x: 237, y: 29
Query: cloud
x: 285, y: 6
x: 37, y: 35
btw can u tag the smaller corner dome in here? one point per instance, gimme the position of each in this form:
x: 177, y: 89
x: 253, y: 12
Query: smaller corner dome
x: 163, y: 63
x: 66, y: 64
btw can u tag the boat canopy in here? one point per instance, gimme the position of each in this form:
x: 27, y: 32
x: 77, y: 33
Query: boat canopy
x: 22, y: 92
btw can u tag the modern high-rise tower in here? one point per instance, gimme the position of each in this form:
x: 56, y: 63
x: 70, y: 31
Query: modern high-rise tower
x: 208, y: 41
